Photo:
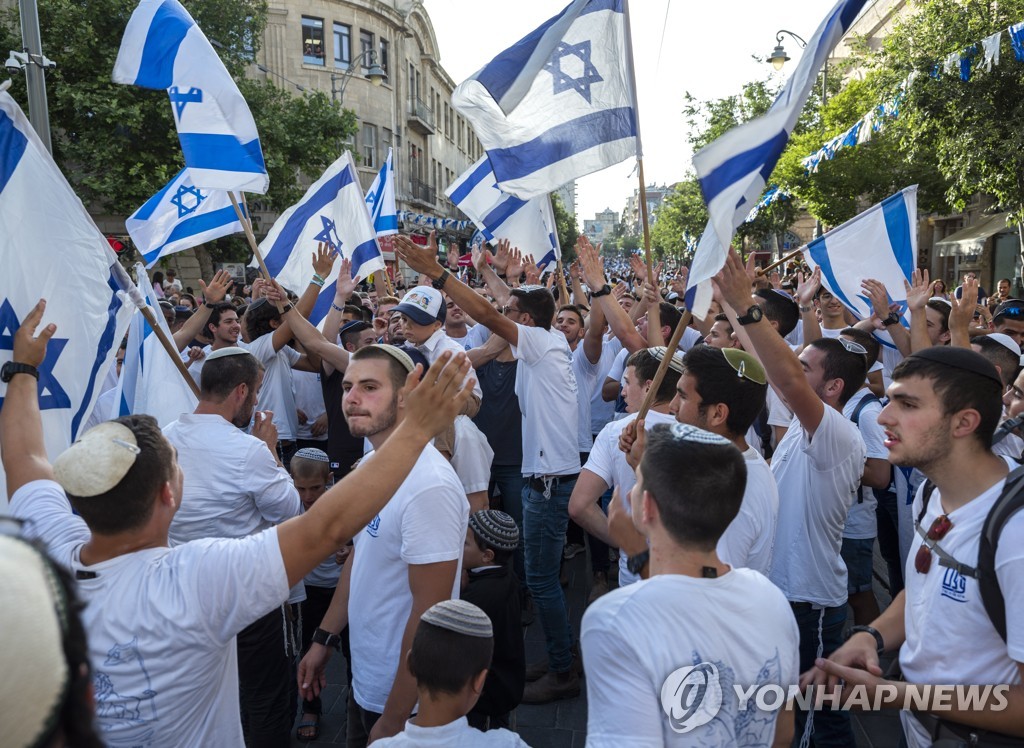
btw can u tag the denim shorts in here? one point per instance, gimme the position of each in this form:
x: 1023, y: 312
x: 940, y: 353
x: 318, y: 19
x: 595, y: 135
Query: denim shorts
x: 858, y: 553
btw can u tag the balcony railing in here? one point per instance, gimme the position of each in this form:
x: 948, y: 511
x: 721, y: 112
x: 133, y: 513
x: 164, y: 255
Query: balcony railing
x: 421, y: 116
x: 422, y: 192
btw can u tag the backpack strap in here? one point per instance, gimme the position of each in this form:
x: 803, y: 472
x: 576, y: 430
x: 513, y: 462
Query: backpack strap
x: 867, y: 400
x: 1010, y: 501
x: 926, y: 494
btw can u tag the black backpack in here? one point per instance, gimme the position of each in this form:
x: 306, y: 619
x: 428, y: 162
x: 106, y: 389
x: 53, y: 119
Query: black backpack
x: 1010, y: 501
x: 855, y: 417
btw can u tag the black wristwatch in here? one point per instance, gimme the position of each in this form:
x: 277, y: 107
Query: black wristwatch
x: 636, y: 563
x: 754, y: 314
x: 326, y: 638
x: 441, y: 280
x: 879, y: 642
x: 602, y: 291
x: 11, y: 368
x: 892, y: 319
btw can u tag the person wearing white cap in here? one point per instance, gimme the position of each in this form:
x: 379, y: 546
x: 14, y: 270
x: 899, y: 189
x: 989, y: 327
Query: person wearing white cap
x: 695, y: 616
x: 161, y: 621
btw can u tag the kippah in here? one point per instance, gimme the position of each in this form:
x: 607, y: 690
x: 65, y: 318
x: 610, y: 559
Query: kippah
x: 98, y: 461
x: 496, y: 529
x: 33, y: 617
x: 312, y: 453
x: 1006, y: 341
x: 943, y: 299
x: 960, y: 358
x: 233, y: 350
x: 745, y: 365
x: 353, y: 323
x: 396, y: 353
x: 460, y: 617
x: 676, y: 364
x: 687, y: 433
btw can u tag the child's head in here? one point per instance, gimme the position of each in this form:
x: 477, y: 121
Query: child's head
x: 491, y: 539
x: 451, y: 652
x: 311, y: 473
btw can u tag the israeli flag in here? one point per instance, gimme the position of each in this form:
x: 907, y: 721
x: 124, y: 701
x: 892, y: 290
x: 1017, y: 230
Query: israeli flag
x: 380, y: 199
x: 332, y: 211
x: 880, y: 243
x: 559, y: 103
x: 526, y: 224
x: 181, y: 216
x: 51, y: 249
x: 733, y: 170
x: 150, y: 383
x: 163, y: 48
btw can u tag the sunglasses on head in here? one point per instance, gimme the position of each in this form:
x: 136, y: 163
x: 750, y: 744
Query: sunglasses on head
x: 853, y: 347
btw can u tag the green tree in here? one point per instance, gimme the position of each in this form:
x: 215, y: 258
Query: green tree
x: 682, y: 212
x: 566, y: 227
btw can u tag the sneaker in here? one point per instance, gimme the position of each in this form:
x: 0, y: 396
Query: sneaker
x: 572, y: 550
x: 552, y: 687
x: 536, y: 670
x: 598, y: 587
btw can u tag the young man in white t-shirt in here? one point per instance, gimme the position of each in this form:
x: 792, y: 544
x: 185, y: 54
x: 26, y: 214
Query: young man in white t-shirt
x: 546, y: 388
x: 726, y: 626
x: 405, y: 560
x: 161, y: 622
x: 944, y: 405
x: 818, y: 466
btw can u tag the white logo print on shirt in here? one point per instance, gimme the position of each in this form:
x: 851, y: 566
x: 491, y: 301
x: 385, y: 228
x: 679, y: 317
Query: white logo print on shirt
x: 954, y: 586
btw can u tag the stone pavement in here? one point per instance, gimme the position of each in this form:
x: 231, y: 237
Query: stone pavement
x: 563, y: 724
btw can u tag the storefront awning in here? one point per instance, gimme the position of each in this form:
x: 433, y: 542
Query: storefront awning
x: 971, y: 240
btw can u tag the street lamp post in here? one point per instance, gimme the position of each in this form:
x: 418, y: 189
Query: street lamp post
x: 375, y: 74
x: 778, y: 58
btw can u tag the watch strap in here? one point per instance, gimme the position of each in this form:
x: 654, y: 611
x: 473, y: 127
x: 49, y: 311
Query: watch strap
x: 441, y: 280
x: 602, y: 291
x: 635, y: 564
x: 892, y: 319
x: 11, y: 368
x: 751, y: 316
x: 879, y: 642
x: 326, y: 638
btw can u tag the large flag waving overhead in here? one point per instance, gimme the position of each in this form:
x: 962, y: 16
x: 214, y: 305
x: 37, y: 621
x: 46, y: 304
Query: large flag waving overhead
x: 559, y: 103
x: 733, y: 170
x: 180, y: 216
x: 380, y: 199
x: 526, y: 224
x: 332, y: 211
x: 163, y: 48
x: 51, y: 249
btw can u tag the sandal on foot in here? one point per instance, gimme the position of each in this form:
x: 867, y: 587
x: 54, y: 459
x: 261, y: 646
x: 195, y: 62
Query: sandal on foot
x: 309, y: 724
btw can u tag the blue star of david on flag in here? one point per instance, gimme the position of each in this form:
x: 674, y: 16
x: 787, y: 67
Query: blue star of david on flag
x: 181, y: 99
x: 329, y: 235
x: 562, y: 79
x: 187, y: 199
x: 51, y: 393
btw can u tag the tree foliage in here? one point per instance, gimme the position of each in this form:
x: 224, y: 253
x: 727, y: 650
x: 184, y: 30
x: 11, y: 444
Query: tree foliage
x: 117, y: 144
x: 566, y: 227
x: 682, y: 213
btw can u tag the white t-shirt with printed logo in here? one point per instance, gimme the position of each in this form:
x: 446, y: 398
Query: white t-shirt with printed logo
x: 749, y: 539
x: 861, y: 523
x: 546, y: 388
x: 633, y: 638
x: 161, y: 624
x: 276, y: 393
x: 424, y: 523
x: 950, y: 638
x: 817, y: 480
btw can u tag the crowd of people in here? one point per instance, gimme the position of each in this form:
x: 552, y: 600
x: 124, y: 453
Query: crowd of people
x: 405, y: 482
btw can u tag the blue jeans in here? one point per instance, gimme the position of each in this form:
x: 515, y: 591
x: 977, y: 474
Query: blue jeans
x: 830, y: 728
x: 509, y: 481
x: 545, y: 517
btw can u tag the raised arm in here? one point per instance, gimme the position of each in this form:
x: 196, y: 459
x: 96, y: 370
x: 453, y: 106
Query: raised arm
x: 323, y: 260
x: 593, y: 273
x: 918, y: 293
x: 332, y: 355
x: 212, y: 294
x: 962, y: 314
x: 880, y: 310
x: 499, y: 290
x: 805, y: 292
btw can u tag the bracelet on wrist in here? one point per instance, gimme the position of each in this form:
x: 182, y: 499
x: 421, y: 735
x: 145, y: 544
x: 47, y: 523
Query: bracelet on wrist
x: 316, y: 280
x: 805, y: 309
x: 337, y: 308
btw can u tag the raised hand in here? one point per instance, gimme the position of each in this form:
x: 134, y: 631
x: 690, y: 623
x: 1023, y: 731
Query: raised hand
x: 30, y: 348
x: 215, y: 292
x: 502, y: 257
x: 531, y: 270
x: 346, y: 283
x: 807, y: 287
x: 638, y: 267
x: 733, y: 283
x: 678, y: 283
x: 515, y: 264
x: 593, y: 266
x: 962, y: 313
x: 323, y: 259
x: 919, y: 290
x: 876, y: 291
x: 421, y: 259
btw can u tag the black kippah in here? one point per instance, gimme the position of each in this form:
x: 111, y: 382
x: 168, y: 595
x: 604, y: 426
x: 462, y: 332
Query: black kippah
x: 960, y: 358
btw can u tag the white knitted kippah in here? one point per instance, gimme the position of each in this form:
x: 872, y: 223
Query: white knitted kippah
x: 98, y: 461
x: 460, y: 617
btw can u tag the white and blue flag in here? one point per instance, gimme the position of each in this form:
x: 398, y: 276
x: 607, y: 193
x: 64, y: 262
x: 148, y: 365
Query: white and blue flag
x: 332, y: 211
x: 181, y: 216
x: 559, y: 103
x: 526, y: 224
x: 51, y: 249
x: 150, y: 383
x: 880, y: 243
x: 380, y: 199
x: 734, y: 169
x: 163, y: 48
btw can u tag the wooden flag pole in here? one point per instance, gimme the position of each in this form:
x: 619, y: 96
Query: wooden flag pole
x: 170, y: 347
x: 561, y: 283
x: 644, y: 222
x: 659, y: 376
x: 247, y: 227
x: 787, y: 258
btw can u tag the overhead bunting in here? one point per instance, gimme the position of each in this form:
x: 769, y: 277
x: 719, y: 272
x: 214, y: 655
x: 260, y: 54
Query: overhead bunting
x: 445, y: 224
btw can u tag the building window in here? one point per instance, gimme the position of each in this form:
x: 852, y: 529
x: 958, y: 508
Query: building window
x: 437, y: 109
x: 312, y: 40
x: 387, y: 140
x: 369, y: 145
x: 385, y: 55
x: 462, y: 135
x: 447, y: 121
x: 365, y: 46
x: 342, y: 46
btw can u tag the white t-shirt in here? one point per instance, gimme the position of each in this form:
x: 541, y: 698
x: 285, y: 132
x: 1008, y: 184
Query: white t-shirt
x: 161, y: 624
x: 633, y: 638
x: 105, y: 410
x: 602, y: 411
x: 276, y: 393
x: 691, y: 337
x: 608, y: 463
x: 437, y: 344
x: 546, y: 389
x: 475, y: 337
x: 950, y: 638
x: 196, y: 368
x: 472, y: 456
x: 233, y: 485
x: 817, y: 480
x: 309, y: 398
x: 861, y: 523
x: 778, y: 413
x: 424, y: 523
x: 585, y: 374
x: 748, y: 540
x: 457, y: 734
